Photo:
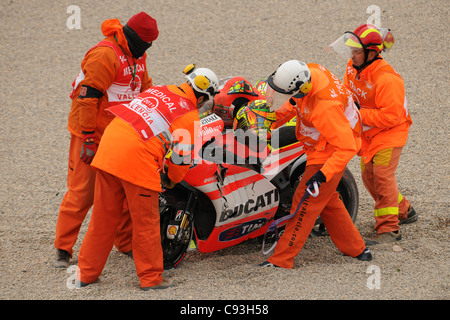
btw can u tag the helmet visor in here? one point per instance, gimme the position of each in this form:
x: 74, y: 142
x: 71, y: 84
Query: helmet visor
x: 345, y: 44
x: 275, y: 99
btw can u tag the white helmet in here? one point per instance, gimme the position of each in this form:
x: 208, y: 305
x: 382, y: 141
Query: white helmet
x: 292, y: 78
x: 202, y: 80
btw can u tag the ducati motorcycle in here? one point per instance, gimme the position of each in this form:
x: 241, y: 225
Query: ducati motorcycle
x: 226, y: 198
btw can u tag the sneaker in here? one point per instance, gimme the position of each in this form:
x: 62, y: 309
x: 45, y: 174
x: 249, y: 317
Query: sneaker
x: 61, y: 259
x: 366, y: 255
x: 162, y: 285
x: 385, y: 237
x: 412, y: 216
x: 267, y: 264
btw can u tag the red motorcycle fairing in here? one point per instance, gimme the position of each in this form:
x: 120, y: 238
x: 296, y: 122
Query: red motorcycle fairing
x: 279, y: 159
x: 244, y: 201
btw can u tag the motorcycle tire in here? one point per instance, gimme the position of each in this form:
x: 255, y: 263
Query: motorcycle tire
x: 348, y: 193
x: 174, y: 250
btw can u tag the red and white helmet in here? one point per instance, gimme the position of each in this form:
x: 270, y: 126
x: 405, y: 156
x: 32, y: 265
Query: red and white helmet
x: 366, y: 36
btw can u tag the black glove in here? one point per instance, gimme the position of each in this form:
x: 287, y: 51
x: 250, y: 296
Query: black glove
x: 166, y: 182
x: 318, y: 177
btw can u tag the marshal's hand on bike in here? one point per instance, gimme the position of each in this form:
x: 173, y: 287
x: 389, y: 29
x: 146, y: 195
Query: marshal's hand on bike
x: 166, y: 182
x: 316, y: 180
x: 318, y: 177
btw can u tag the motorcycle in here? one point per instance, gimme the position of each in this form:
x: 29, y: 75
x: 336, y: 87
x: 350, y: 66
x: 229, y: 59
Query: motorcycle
x: 227, y: 198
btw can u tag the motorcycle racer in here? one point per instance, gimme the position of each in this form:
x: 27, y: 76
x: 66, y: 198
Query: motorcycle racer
x: 329, y: 125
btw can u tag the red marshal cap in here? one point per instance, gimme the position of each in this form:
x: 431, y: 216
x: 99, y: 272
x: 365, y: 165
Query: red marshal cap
x: 145, y: 26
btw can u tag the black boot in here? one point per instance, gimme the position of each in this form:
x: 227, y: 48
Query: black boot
x: 62, y: 259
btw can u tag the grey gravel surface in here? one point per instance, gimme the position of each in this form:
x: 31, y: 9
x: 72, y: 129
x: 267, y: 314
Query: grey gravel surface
x: 40, y: 56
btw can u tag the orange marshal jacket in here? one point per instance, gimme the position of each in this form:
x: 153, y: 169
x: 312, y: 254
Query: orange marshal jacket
x: 123, y: 153
x: 380, y: 92
x: 100, y: 68
x: 328, y: 122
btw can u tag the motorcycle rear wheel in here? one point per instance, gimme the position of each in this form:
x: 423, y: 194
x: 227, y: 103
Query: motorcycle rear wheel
x: 348, y: 193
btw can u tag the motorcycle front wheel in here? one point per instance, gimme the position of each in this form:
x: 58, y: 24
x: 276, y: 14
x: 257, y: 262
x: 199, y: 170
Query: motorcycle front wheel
x: 174, y: 250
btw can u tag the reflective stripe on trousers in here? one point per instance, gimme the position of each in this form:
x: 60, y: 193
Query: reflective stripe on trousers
x: 379, y: 179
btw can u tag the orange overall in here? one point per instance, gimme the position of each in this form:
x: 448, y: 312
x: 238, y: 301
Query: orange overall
x: 329, y: 124
x: 380, y: 91
x: 101, y: 69
x: 129, y: 166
